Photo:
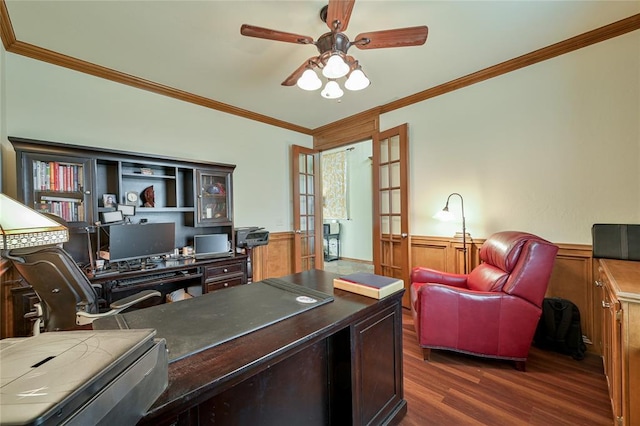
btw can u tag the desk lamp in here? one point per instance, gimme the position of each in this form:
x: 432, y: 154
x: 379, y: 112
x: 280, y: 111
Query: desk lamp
x: 21, y: 227
x: 446, y: 216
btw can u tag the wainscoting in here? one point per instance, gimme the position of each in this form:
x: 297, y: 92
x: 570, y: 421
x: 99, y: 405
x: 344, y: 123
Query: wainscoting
x: 572, y: 277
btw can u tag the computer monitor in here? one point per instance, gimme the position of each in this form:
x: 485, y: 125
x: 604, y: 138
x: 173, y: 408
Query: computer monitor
x: 140, y: 241
x: 211, y: 245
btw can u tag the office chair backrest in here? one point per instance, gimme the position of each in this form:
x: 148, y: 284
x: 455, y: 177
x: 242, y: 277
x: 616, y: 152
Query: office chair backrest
x: 59, y: 283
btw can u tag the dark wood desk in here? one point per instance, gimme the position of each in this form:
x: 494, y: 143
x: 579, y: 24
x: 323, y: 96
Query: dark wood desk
x: 209, y: 274
x: 339, y: 363
x: 173, y: 274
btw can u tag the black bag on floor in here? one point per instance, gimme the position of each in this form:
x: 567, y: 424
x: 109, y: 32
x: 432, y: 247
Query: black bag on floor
x: 559, y: 328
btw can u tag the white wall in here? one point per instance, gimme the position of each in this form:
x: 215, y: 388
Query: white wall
x: 356, y: 234
x: 56, y: 104
x: 549, y: 149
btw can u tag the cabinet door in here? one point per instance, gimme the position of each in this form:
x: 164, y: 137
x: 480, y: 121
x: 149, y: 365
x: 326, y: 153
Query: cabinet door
x: 213, y: 198
x: 377, y: 367
x: 611, y: 340
x: 59, y: 185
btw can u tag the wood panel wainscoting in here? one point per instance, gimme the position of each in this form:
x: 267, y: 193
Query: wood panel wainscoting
x: 572, y: 276
x: 275, y: 259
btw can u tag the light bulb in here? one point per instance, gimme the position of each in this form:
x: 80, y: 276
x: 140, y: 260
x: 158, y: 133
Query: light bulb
x: 332, y: 90
x: 357, y: 80
x: 335, y: 67
x: 444, y: 215
x: 309, y: 80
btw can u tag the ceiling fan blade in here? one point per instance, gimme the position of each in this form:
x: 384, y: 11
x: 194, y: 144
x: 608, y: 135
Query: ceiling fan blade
x: 339, y: 10
x: 259, y: 32
x: 293, y: 78
x: 411, y: 36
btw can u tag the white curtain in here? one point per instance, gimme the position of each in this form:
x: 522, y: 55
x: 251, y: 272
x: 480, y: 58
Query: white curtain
x: 334, y: 185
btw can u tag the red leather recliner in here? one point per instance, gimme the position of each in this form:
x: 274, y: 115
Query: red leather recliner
x: 492, y: 311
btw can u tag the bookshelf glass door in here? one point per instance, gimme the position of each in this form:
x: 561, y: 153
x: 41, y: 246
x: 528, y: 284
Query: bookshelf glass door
x: 59, y: 185
x: 213, y: 198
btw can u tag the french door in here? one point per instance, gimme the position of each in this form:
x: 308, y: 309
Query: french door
x: 307, y: 209
x: 392, y: 240
x: 390, y: 207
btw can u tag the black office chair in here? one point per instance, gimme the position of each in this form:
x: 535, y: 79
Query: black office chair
x: 68, y: 297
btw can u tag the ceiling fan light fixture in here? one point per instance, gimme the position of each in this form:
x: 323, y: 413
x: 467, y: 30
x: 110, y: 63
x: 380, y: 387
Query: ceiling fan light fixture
x: 335, y: 67
x: 332, y: 90
x: 357, y: 80
x: 309, y: 80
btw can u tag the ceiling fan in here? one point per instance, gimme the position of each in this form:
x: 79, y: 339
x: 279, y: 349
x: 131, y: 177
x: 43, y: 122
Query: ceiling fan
x: 333, y: 46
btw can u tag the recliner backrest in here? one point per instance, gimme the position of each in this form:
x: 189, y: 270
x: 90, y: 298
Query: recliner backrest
x: 530, y: 277
x: 505, y: 256
x: 59, y: 283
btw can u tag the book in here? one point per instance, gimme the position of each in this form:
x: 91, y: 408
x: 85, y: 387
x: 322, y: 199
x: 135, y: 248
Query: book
x: 370, y: 285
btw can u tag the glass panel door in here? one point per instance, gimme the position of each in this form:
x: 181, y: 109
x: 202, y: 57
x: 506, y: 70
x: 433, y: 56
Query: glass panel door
x: 306, y: 203
x: 391, y: 206
x: 213, y: 206
x: 59, y: 185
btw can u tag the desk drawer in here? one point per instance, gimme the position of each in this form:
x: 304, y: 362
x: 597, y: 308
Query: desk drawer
x: 218, y: 285
x: 212, y: 272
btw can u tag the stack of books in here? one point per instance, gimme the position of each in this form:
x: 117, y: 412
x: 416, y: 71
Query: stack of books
x: 370, y: 285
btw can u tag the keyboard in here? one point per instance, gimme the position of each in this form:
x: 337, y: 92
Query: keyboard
x: 147, y: 278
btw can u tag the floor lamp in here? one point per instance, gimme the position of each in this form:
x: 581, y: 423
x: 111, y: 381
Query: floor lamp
x: 446, y: 215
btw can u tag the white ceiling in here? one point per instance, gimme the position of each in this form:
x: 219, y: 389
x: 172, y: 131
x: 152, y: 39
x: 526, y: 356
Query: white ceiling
x: 196, y: 46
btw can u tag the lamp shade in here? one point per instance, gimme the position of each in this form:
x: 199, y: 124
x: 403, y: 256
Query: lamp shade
x: 309, y: 80
x: 22, y: 227
x: 335, y: 67
x: 444, y: 215
x: 332, y: 90
x: 357, y: 80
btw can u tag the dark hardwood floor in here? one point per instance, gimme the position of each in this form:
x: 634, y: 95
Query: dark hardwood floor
x: 456, y: 389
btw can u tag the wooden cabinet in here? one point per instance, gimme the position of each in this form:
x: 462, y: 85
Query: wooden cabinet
x: 192, y: 194
x: 619, y: 282
x: 224, y: 274
x: 80, y: 184
x: 213, y: 200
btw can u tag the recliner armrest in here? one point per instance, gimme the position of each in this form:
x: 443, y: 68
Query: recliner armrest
x: 427, y: 275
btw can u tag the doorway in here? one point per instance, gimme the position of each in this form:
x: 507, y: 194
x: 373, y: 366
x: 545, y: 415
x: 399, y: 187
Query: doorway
x: 347, y: 208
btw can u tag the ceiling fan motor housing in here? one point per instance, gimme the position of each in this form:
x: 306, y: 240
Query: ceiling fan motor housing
x: 333, y: 42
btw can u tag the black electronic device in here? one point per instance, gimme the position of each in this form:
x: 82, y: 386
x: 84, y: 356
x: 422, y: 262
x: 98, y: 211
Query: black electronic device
x: 140, y: 241
x: 115, y: 216
x: 252, y: 236
x: 211, y: 245
x: 127, y: 210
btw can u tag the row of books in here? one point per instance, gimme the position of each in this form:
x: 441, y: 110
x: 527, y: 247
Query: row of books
x: 71, y: 211
x: 370, y: 285
x: 55, y: 176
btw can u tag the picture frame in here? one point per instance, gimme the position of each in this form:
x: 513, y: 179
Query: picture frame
x: 109, y: 200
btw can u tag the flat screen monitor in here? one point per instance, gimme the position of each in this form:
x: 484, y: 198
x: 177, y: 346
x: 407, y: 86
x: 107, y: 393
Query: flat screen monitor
x: 211, y: 245
x: 141, y: 241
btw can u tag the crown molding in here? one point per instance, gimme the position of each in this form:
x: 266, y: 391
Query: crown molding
x: 597, y: 35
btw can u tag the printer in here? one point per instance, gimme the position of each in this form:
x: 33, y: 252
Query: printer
x: 251, y: 236
x: 81, y: 377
